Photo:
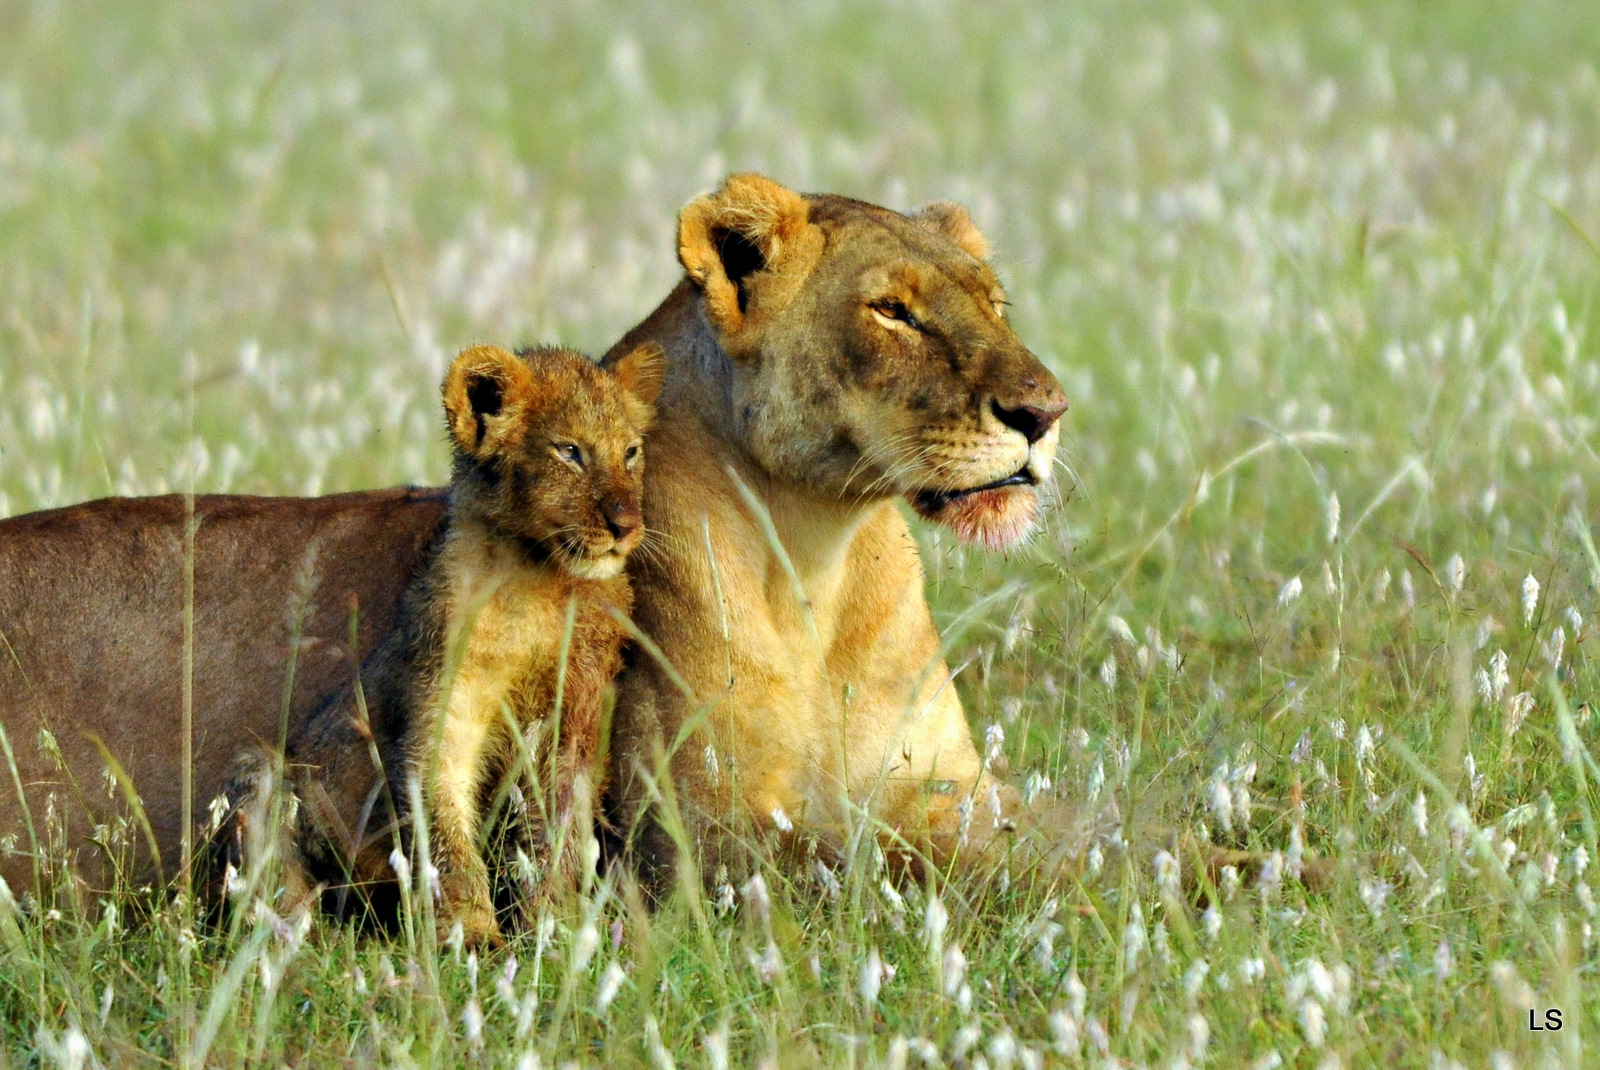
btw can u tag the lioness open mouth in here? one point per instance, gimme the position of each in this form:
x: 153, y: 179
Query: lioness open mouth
x: 995, y: 516
x: 931, y: 501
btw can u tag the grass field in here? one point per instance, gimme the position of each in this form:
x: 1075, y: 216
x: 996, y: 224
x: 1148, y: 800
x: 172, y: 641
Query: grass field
x: 1319, y: 280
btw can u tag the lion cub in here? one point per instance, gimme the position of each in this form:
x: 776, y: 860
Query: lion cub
x: 544, y: 508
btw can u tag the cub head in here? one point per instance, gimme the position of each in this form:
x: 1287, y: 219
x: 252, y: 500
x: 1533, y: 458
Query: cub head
x: 549, y: 450
x: 870, y: 355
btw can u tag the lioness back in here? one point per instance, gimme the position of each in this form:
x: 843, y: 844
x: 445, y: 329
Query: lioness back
x: 91, y: 614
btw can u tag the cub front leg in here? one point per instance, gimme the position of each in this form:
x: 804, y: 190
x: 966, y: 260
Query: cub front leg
x: 453, y: 823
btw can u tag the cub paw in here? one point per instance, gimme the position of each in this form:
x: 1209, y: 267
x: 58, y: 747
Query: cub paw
x: 477, y: 924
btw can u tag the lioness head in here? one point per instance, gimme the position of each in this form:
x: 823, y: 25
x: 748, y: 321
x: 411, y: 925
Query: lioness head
x: 549, y: 450
x: 870, y: 353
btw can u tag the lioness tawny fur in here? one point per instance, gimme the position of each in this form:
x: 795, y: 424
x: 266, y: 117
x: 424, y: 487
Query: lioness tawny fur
x: 825, y: 356
x: 544, y: 508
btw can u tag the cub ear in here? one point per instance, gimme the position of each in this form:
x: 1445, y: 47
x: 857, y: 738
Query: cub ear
x: 949, y: 219
x: 485, y: 392
x: 749, y: 226
x: 641, y: 370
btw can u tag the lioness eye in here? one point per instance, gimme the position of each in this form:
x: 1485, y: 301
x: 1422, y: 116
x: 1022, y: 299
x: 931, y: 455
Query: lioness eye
x: 895, y: 310
x: 570, y: 453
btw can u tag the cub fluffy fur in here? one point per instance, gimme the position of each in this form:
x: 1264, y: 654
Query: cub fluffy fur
x: 544, y: 508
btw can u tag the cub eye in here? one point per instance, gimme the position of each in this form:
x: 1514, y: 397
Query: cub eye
x: 891, y: 309
x: 632, y: 454
x: 569, y: 453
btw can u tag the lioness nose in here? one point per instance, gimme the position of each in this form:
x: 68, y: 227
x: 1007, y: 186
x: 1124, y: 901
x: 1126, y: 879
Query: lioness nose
x: 622, y: 517
x: 1033, y: 417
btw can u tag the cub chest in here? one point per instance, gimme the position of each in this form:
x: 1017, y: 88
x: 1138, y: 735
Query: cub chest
x: 509, y: 645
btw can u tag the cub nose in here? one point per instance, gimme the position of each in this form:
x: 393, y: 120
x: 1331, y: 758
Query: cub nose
x: 1032, y: 417
x: 622, y: 517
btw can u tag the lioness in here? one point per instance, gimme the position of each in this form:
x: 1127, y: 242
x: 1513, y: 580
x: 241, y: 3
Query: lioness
x: 824, y: 357
x: 544, y: 509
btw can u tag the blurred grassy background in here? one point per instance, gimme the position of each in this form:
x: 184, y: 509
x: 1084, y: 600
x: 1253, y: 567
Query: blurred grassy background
x: 311, y: 201
x: 1362, y: 235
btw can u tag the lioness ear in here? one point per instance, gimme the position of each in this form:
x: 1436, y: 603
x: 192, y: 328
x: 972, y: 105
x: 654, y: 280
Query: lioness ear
x: 485, y: 393
x: 641, y: 370
x: 952, y: 221
x: 750, y: 225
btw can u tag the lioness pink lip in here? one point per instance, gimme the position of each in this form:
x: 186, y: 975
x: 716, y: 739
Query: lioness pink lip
x: 934, y: 500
